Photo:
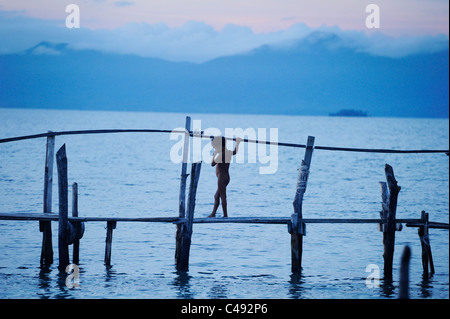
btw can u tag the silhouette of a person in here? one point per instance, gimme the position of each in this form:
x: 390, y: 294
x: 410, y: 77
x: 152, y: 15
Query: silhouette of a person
x: 221, y: 160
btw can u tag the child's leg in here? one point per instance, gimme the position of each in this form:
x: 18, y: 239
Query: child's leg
x: 223, y: 197
x: 222, y: 189
x: 216, y: 204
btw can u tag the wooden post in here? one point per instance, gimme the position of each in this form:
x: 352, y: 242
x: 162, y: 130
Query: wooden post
x: 46, y: 227
x: 182, y: 196
x: 296, y: 227
x: 63, y: 247
x: 76, y: 243
x: 390, y: 227
x: 404, y: 274
x: 384, y: 200
x: 427, y: 258
x: 110, y: 225
x: 182, y: 261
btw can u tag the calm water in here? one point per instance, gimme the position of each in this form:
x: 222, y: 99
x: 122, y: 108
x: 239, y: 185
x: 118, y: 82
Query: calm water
x: 131, y: 175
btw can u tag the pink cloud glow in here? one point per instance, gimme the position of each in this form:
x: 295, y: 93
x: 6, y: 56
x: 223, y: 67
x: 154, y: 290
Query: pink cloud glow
x: 400, y: 17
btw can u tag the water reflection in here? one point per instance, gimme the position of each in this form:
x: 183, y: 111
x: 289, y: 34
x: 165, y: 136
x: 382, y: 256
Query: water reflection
x: 44, y: 281
x: 218, y: 291
x: 296, y: 287
x: 181, y: 282
x: 110, y: 274
x: 387, y: 288
x: 390, y: 290
x: 63, y: 292
x: 426, y: 287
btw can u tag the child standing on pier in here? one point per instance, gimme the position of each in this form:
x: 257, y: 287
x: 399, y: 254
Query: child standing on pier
x: 222, y: 159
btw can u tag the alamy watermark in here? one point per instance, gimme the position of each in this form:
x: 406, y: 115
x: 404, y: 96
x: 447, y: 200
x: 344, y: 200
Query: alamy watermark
x: 266, y: 154
x: 73, y: 19
x: 373, y: 19
x: 73, y: 279
x: 373, y: 279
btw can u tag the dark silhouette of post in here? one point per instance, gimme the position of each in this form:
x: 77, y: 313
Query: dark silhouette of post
x: 110, y: 226
x: 390, y: 226
x: 63, y: 247
x: 404, y: 274
x: 182, y: 195
x: 182, y: 260
x: 46, y: 226
x: 295, y: 226
x: 76, y: 243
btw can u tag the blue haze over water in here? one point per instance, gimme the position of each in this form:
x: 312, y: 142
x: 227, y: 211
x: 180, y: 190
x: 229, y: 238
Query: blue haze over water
x: 131, y: 175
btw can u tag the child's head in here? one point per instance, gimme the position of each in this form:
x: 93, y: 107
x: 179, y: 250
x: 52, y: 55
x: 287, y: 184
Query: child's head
x: 218, y: 143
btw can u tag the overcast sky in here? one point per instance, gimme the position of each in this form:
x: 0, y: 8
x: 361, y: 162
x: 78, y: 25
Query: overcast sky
x: 198, y: 30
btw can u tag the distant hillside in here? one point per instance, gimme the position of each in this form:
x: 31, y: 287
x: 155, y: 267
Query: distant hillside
x: 316, y: 76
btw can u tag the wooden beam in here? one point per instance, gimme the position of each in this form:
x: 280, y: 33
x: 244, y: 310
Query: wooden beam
x: 76, y: 243
x: 110, y: 225
x: 63, y: 247
x: 430, y: 225
x: 427, y: 257
x: 182, y: 259
x: 296, y: 226
x: 412, y: 222
x: 389, y: 233
x: 182, y: 194
x: 54, y: 217
x: 46, y: 227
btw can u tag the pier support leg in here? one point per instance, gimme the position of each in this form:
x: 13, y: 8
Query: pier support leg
x: 427, y: 258
x: 390, y: 227
x: 63, y: 247
x: 182, y: 196
x: 184, y: 240
x: 76, y: 243
x: 110, y: 225
x: 46, y: 227
x: 296, y: 227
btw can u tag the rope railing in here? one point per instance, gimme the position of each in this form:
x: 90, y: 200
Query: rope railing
x: 201, y: 135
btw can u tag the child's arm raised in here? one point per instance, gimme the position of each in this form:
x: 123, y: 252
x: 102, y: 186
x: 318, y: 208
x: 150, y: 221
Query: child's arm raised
x: 213, y: 162
x: 238, y: 141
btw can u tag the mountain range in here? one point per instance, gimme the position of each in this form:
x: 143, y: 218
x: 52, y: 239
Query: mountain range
x: 317, y: 75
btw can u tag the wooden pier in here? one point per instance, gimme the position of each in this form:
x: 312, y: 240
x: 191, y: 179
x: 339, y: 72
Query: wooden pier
x: 71, y: 228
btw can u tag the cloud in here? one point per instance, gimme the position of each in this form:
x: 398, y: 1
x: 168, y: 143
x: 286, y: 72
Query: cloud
x: 193, y: 41
x: 123, y: 3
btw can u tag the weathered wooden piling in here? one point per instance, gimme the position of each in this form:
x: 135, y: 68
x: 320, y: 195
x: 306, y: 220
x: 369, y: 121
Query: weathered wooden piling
x: 63, y: 246
x: 76, y: 242
x: 44, y: 226
x: 184, y: 240
x: 427, y: 258
x: 182, y: 194
x: 390, y: 225
x: 296, y: 226
x: 110, y: 225
x: 404, y: 274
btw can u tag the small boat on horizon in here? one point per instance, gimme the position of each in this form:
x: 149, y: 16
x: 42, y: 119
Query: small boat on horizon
x: 350, y: 112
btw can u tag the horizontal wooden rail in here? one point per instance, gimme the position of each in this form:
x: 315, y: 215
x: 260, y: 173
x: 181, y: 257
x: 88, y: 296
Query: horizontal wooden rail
x: 55, y: 217
x: 430, y: 225
x: 195, y: 134
x: 410, y: 222
x: 285, y: 220
x: 80, y: 132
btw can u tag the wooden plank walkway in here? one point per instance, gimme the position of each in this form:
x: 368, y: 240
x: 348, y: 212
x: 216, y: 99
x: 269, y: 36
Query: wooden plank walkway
x: 55, y: 217
x: 410, y: 222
